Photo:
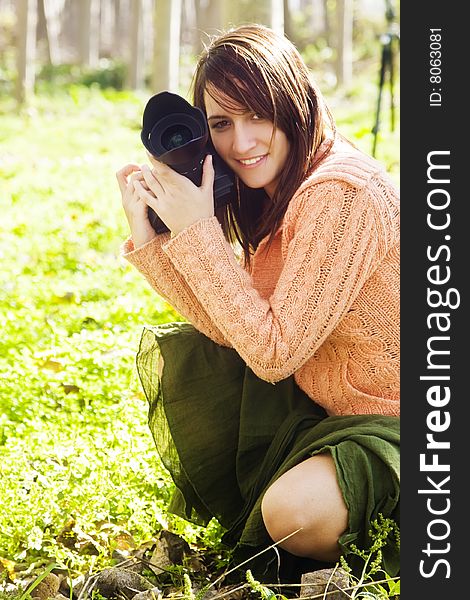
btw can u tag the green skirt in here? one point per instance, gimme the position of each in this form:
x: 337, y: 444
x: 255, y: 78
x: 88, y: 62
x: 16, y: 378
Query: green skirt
x: 225, y: 436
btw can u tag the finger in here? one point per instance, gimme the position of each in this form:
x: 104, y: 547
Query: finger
x: 138, y: 176
x: 163, y: 172
x: 160, y: 168
x: 208, y: 173
x: 154, y: 184
x: 124, y: 173
x: 151, y: 157
x: 148, y: 197
x: 154, y: 161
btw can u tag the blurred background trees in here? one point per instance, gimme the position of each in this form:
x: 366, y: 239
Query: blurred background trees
x: 152, y: 44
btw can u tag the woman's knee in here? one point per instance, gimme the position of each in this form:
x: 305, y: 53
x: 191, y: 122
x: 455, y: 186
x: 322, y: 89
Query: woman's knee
x: 307, y: 505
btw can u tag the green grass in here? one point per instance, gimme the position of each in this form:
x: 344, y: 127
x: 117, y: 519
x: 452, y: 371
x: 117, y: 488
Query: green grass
x: 75, y: 450
x: 73, y: 435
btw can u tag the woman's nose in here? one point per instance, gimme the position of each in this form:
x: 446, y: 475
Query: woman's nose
x: 243, y: 141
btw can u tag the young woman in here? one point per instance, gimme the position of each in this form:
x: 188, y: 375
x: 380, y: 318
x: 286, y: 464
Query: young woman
x: 276, y: 407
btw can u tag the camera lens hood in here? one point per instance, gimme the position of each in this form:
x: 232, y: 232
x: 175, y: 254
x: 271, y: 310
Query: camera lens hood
x: 166, y: 111
x: 176, y: 133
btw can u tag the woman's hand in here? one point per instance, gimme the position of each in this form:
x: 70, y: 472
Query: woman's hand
x: 134, y: 206
x: 176, y: 200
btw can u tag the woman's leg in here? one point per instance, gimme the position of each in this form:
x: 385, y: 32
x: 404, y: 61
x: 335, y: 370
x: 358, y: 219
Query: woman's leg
x: 307, y: 497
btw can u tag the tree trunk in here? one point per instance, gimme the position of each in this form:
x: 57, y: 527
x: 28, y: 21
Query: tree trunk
x: 135, y: 75
x: 210, y: 21
x: 118, y: 44
x: 26, y: 48
x: 89, y: 32
x: 69, y: 35
x: 42, y: 35
x: 148, y: 7
x: 288, y: 29
x: 189, y: 33
x: 265, y: 12
x: 344, y: 43
x: 318, y: 17
x: 49, y: 12
x: 276, y: 21
x: 106, y: 28
x: 165, y: 72
x: 327, y: 23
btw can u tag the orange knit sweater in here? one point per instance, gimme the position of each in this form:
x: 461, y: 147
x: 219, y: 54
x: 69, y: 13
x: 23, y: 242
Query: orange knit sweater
x: 322, y: 303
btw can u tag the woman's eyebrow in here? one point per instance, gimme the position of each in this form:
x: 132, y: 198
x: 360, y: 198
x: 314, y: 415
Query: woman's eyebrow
x: 217, y: 117
x: 243, y: 111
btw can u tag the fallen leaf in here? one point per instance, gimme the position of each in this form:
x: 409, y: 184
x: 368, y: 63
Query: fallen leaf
x: 70, y: 388
x: 52, y: 365
x: 7, y: 566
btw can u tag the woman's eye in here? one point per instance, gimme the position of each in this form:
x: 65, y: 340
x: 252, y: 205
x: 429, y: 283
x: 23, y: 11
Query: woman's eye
x: 256, y: 117
x: 220, y: 125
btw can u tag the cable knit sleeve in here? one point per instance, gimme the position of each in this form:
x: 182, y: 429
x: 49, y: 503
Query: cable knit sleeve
x: 331, y: 250
x: 159, y: 271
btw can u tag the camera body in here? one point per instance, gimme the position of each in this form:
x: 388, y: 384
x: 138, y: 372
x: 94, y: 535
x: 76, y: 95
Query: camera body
x: 176, y: 133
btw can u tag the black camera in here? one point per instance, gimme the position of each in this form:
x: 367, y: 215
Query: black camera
x: 176, y: 133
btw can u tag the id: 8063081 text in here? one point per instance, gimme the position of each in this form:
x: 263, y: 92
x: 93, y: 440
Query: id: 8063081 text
x: 435, y: 67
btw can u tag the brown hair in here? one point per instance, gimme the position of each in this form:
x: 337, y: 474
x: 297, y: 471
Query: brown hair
x: 278, y: 86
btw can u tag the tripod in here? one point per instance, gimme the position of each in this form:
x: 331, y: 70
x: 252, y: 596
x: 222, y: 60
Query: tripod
x: 389, y: 40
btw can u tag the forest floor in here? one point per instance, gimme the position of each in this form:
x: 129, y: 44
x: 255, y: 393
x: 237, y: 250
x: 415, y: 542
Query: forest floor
x: 81, y: 486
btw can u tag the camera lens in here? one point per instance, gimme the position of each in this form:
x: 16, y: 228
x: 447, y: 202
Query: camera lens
x: 175, y: 133
x: 176, y: 136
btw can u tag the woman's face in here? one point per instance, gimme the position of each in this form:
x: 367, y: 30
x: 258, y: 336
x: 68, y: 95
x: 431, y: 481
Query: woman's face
x: 243, y: 141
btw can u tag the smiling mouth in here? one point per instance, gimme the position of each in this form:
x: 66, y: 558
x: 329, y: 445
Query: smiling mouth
x: 251, y: 161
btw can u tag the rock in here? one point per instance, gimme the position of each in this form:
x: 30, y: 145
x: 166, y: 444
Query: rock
x: 316, y: 583
x: 170, y: 549
x: 152, y: 594
x: 118, y: 581
x: 47, y: 588
x: 228, y: 593
x: 75, y: 586
x: 66, y: 585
